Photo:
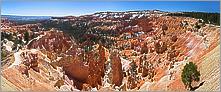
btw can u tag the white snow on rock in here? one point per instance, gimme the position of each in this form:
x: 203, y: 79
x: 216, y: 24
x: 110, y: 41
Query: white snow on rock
x: 125, y: 64
x: 141, y: 15
x: 8, y: 45
x: 94, y: 89
x: 116, y: 16
x: 34, y: 50
x: 18, y: 59
x: 67, y: 88
x: 37, y: 38
x: 134, y: 16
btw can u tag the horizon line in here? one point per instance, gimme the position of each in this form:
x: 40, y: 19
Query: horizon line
x: 102, y: 11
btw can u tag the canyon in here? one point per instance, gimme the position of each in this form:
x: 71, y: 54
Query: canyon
x: 109, y: 51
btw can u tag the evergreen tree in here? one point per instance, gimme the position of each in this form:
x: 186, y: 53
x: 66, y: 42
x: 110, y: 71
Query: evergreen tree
x: 26, y: 36
x: 214, y: 18
x: 190, y: 74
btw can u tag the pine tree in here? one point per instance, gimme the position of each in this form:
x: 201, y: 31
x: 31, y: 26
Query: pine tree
x: 26, y: 37
x: 190, y: 74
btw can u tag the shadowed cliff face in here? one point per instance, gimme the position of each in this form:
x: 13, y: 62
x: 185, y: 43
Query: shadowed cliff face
x: 144, y: 52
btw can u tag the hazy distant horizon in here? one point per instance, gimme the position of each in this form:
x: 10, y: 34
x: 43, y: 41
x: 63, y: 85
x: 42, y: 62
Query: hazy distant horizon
x: 84, y: 14
x: 71, y: 8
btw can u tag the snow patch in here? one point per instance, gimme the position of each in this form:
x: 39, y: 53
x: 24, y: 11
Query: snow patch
x: 94, y: 89
x: 8, y: 45
x: 133, y: 16
x: 37, y: 38
x: 18, y: 59
x: 67, y: 88
x: 125, y: 64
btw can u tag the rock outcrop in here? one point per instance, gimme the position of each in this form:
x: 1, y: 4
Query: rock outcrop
x: 116, y: 66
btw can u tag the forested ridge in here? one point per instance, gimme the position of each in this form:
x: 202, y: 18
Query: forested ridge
x: 213, y: 18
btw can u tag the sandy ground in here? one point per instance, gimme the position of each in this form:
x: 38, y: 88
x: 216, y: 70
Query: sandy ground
x: 7, y: 86
x: 210, y: 71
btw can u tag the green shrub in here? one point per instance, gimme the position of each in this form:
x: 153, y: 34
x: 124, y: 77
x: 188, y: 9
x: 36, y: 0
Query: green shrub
x: 197, y: 26
x: 190, y: 74
x: 3, y: 54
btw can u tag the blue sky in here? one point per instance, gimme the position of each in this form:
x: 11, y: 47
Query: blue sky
x: 65, y: 8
